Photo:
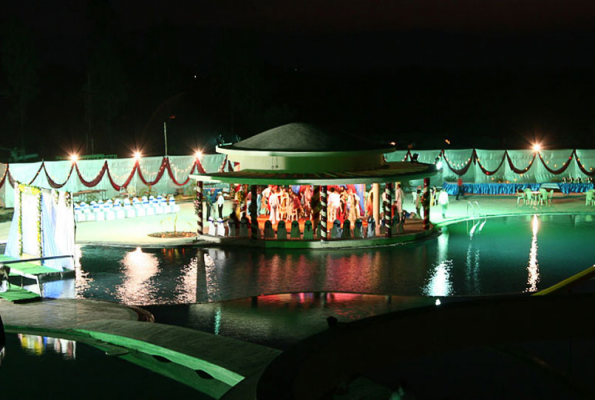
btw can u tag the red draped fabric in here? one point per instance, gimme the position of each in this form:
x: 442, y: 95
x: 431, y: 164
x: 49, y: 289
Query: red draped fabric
x: 517, y: 170
x: 558, y: 171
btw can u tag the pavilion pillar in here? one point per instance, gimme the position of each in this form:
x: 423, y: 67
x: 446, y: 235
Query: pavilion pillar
x: 387, y: 207
x: 376, y: 205
x: 198, y: 208
x: 323, y: 213
x: 254, y: 231
x: 426, y: 203
x: 244, y: 208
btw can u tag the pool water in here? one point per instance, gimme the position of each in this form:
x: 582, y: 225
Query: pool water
x: 480, y: 257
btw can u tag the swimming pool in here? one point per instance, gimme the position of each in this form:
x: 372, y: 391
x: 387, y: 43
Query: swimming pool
x: 479, y: 257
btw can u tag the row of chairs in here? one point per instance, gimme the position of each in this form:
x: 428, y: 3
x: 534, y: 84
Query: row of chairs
x: 224, y: 228
x: 542, y: 198
x: 119, y: 209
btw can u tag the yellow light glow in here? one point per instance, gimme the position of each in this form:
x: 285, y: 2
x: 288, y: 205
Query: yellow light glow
x: 537, y: 147
x: 74, y: 158
x: 137, y: 155
x: 198, y: 154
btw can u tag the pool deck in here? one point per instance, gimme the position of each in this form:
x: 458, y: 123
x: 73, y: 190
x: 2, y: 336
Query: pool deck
x: 116, y: 329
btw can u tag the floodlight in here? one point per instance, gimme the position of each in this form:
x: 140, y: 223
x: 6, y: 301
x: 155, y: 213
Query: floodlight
x: 198, y: 154
x: 536, y: 147
x: 74, y: 158
x: 137, y: 155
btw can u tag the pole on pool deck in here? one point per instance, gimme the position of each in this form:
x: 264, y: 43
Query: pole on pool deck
x: 323, y: 213
x: 426, y: 203
x: 254, y: 231
x: 387, y: 208
x: 198, y: 208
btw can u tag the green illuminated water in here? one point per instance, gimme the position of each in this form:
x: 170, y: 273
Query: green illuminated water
x: 482, y: 257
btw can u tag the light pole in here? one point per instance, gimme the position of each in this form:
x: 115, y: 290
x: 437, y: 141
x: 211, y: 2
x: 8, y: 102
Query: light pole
x: 165, y: 135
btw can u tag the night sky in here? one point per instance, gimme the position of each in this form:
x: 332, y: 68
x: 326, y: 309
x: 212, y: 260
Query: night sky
x: 487, y: 74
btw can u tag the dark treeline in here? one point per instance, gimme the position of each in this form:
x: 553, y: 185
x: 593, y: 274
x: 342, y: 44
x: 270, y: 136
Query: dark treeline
x: 236, y: 84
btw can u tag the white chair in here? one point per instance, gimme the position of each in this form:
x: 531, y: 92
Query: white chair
x: 98, y: 210
x: 108, y: 210
x: 149, y: 210
x: 119, y: 210
x: 220, y: 227
x: 212, y: 227
x: 158, y: 205
x: 172, y: 203
x: 138, y: 207
x: 87, y: 211
x: 129, y: 211
x: 79, y: 215
x: 163, y: 204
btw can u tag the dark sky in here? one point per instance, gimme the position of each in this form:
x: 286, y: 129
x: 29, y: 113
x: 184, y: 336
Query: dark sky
x: 362, y: 33
x: 482, y: 72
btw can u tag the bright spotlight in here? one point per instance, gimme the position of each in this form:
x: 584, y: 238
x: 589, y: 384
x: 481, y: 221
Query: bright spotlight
x: 537, y: 147
x: 198, y: 154
x: 137, y: 155
x: 74, y: 158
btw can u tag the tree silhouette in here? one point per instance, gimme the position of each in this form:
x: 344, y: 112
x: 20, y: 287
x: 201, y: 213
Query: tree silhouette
x: 20, y: 64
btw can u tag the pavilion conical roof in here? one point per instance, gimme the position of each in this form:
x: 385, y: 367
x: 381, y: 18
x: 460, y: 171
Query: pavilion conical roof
x: 302, y: 137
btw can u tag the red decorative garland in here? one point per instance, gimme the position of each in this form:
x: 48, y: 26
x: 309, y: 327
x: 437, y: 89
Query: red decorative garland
x: 462, y: 171
x: 561, y: 170
x: 484, y: 170
x: 517, y: 170
x: 226, y: 164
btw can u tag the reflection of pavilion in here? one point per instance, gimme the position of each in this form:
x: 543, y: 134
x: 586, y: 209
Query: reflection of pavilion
x: 294, y: 156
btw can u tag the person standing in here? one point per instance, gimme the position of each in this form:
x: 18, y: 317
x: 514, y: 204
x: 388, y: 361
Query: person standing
x: 461, y: 191
x: 274, y: 201
x: 399, y: 197
x: 220, y: 203
x: 443, y: 201
x: 417, y: 202
x: 209, y: 202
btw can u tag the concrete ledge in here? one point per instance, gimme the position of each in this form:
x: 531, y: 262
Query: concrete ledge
x: 377, y: 241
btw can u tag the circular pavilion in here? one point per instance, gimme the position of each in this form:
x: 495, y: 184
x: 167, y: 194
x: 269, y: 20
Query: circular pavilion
x: 302, y: 155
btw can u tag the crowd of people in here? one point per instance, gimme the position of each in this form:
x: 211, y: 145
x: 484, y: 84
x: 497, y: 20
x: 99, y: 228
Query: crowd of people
x: 345, y: 204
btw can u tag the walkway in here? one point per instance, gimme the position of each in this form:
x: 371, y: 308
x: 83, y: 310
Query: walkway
x: 216, y: 363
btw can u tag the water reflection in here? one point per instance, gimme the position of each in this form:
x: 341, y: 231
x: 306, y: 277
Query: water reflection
x: 39, y: 345
x: 439, y: 282
x: 533, y: 268
x: 138, y: 268
x: 188, y: 282
x: 493, y: 260
x: 472, y: 260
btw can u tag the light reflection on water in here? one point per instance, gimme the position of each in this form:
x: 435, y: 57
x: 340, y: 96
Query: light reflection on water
x: 533, y: 268
x: 491, y: 260
x: 39, y: 345
x: 139, y: 268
